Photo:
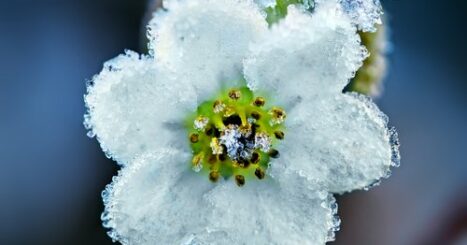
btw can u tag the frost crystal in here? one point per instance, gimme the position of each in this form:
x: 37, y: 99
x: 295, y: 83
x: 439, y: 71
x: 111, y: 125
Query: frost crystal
x: 333, y: 143
x: 205, y: 41
x: 134, y: 106
x: 201, y: 123
x: 346, y: 143
x: 325, y: 49
x: 363, y: 13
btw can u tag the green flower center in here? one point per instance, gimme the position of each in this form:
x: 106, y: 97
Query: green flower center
x: 233, y: 135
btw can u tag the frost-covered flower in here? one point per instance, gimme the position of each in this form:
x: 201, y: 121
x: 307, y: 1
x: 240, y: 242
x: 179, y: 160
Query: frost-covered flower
x: 233, y: 132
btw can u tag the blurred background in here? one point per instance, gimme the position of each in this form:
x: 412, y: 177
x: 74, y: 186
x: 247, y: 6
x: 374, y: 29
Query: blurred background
x: 52, y: 174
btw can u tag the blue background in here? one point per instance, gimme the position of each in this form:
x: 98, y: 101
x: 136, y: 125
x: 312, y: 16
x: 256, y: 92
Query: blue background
x: 51, y: 174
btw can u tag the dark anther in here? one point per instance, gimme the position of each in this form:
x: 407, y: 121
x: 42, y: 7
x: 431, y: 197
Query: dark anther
x: 194, y: 138
x: 209, y: 131
x: 274, y: 153
x: 254, y: 157
x: 217, y: 133
x: 255, y: 115
x: 240, y: 180
x: 260, y: 173
x: 243, y: 163
x: 279, y: 135
x: 214, y: 176
x: 234, y: 119
x: 223, y: 156
x: 212, y: 159
x: 235, y: 94
x: 260, y: 101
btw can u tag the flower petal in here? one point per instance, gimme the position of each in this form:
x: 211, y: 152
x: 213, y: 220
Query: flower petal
x: 305, y: 55
x: 205, y: 41
x: 156, y: 200
x: 364, y: 13
x: 268, y: 212
x: 132, y: 105
x: 340, y: 144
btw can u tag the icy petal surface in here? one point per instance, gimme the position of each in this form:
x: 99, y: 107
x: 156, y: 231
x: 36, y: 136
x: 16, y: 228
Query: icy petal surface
x: 364, y: 13
x: 268, y: 212
x: 205, y: 41
x: 305, y: 55
x: 133, y: 105
x: 265, y: 3
x: 340, y: 143
x: 157, y: 200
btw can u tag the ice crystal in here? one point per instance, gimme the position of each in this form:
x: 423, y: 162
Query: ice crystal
x: 333, y: 142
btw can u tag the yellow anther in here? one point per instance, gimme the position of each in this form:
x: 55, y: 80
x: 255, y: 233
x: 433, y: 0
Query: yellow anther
x: 218, y: 106
x: 214, y: 176
x: 201, y: 122
x: 197, y: 162
x: 194, y: 138
x: 259, y: 101
x: 278, y: 115
x: 235, y: 94
x: 216, y: 146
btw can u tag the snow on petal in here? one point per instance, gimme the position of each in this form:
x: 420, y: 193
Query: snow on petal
x: 305, y: 55
x: 132, y: 106
x: 340, y: 143
x: 205, y: 41
x: 364, y: 13
x: 156, y: 200
x: 269, y: 212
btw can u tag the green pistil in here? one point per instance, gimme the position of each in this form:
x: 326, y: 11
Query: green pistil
x: 233, y: 134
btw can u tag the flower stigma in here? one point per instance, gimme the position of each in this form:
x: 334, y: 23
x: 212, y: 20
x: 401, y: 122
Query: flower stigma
x: 233, y: 135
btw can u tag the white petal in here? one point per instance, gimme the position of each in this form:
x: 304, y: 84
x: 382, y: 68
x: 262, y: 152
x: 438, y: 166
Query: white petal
x: 305, y: 55
x: 266, y: 212
x: 133, y: 105
x: 157, y: 200
x: 205, y: 41
x: 364, y: 13
x: 340, y: 144
x: 265, y: 3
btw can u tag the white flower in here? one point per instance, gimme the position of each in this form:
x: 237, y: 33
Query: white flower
x: 333, y: 142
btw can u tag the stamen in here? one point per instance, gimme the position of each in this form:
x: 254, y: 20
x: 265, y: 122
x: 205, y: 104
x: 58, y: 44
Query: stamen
x: 279, y: 135
x: 201, y: 122
x: 235, y: 94
x: 260, y: 173
x: 212, y: 159
x: 197, y: 162
x: 274, y: 153
x: 218, y: 106
x: 262, y: 141
x: 255, y: 157
x: 278, y: 115
x: 256, y: 115
x: 240, y: 179
x: 259, y: 101
x: 216, y: 146
x: 214, y: 176
x: 209, y: 131
x: 194, y: 138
